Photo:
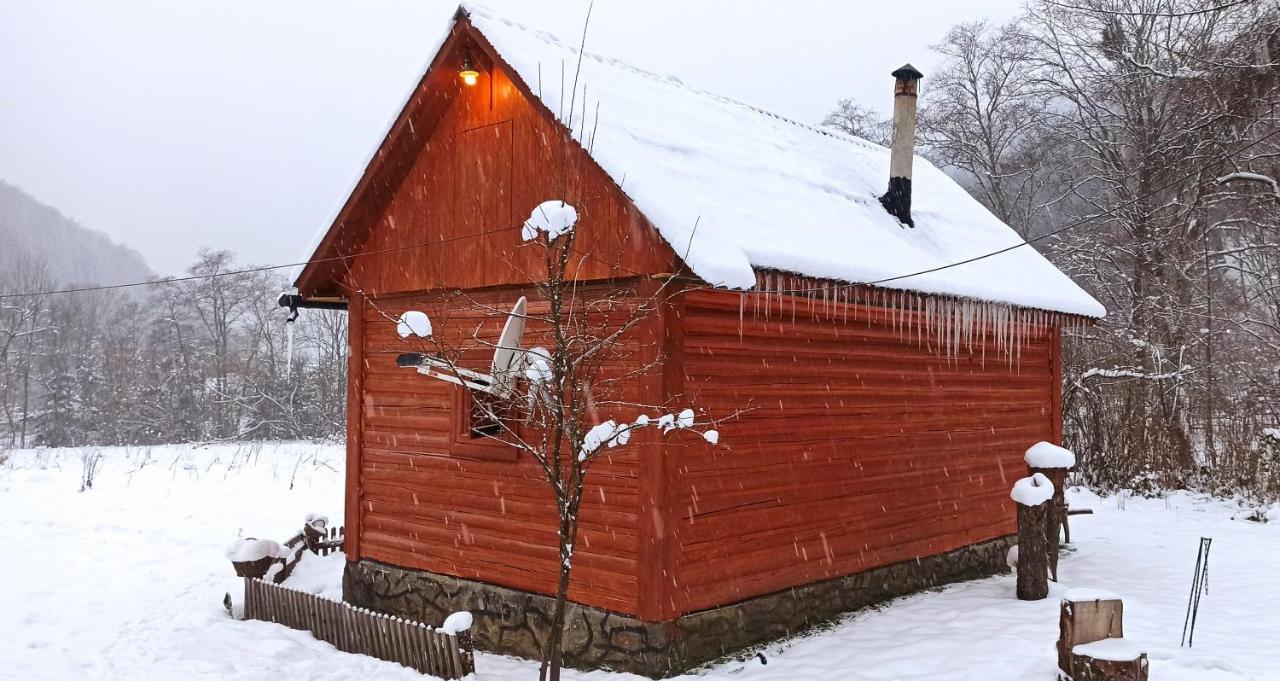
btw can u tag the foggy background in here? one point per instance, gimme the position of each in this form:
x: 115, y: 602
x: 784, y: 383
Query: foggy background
x: 240, y: 125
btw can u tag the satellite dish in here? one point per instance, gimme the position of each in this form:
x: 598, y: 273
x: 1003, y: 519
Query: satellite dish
x: 508, y: 356
x: 508, y: 360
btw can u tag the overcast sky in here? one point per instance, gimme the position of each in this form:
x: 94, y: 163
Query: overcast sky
x: 239, y: 125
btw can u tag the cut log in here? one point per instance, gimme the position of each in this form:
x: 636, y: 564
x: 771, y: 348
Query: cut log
x: 1033, y: 557
x: 1057, y: 516
x: 1087, y: 616
x: 1034, y: 497
x: 255, y: 569
x: 1110, y: 659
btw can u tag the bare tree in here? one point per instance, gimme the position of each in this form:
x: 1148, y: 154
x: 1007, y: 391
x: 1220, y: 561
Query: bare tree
x: 855, y: 119
x: 983, y: 115
x: 574, y: 395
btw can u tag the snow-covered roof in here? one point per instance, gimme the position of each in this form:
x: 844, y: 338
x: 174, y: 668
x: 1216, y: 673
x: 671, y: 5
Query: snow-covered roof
x: 733, y: 188
x: 768, y: 192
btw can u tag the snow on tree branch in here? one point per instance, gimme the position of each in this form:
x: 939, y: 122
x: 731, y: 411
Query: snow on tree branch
x: 554, y: 217
x: 414, y: 323
x: 1253, y: 177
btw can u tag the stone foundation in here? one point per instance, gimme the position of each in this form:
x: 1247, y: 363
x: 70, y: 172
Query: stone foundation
x: 514, y: 622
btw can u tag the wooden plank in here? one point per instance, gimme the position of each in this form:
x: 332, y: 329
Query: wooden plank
x: 1055, y: 385
x: 355, y: 421
x: 863, y: 448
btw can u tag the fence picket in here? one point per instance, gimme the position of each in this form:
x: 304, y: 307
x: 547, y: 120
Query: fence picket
x: 358, y: 630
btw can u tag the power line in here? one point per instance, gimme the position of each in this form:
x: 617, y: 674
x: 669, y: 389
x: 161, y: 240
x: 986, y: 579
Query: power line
x: 939, y: 268
x: 248, y: 270
x: 1055, y: 232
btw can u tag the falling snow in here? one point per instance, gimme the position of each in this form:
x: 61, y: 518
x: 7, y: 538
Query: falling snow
x: 166, y: 621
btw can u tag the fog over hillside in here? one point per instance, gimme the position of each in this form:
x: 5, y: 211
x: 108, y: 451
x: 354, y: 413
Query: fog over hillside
x: 74, y: 254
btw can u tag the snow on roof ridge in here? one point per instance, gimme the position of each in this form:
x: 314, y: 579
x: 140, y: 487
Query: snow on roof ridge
x: 670, y: 79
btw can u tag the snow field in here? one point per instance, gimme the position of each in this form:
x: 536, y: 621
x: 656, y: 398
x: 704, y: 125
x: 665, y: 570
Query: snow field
x: 125, y: 581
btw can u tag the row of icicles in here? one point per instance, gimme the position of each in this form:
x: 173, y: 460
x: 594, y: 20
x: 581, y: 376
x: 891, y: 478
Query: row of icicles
x: 945, y: 324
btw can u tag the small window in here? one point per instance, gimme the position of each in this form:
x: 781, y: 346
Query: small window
x: 482, y: 419
x: 477, y: 433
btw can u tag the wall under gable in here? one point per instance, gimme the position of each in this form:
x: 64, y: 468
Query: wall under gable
x: 857, y: 448
x: 454, y: 220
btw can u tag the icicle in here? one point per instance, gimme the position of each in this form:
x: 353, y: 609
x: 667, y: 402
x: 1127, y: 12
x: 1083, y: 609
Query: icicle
x: 742, y: 308
x: 288, y: 351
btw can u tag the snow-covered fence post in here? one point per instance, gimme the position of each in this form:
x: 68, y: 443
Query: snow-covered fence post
x: 1052, y: 462
x: 1032, y: 495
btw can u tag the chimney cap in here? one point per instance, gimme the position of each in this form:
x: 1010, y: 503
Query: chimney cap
x: 907, y: 72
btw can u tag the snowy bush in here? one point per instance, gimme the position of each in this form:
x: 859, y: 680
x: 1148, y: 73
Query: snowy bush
x: 1266, y: 476
x: 90, y: 462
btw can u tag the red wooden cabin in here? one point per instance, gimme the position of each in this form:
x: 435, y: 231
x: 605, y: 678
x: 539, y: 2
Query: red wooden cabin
x: 886, y: 425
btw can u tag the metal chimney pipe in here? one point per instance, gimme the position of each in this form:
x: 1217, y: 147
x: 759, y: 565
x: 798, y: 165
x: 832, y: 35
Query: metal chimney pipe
x: 902, y: 149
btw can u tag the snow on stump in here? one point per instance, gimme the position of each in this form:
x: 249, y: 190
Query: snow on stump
x: 253, y: 557
x: 1111, y: 659
x: 1033, y: 495
x: 1053, y: 462
x: 1086, y: 616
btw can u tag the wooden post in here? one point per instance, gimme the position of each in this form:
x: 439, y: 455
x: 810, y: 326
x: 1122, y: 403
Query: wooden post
x: 1053, y: 462
x: 1033, y: 496
x: 1056, y: 516
x: 1086, y: 616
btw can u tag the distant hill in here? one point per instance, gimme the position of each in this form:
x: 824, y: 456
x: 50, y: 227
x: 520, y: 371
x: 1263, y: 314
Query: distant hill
x: 74, y: 254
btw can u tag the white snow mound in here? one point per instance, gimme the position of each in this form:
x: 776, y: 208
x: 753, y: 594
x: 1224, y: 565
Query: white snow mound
x: 414, y: 323
x: 1082, y: 594
x: 456, y: 623
x: 553, y: 217
x: 1032, y: 491
x: 1049, y: 455
x: 1110, y: 649
x: 243, y: 550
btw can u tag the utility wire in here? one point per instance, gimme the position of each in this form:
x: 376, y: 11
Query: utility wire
x: 1082, y: 221
x: 249, y: 270
x: 939, y: 268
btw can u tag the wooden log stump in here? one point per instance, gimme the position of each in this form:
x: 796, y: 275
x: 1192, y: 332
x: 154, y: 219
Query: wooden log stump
x: 1033, y: 496
x: 1053, y: 462
x: 1056, y: 516
x: 1111, y: 659
x: 252, y: 557
x: 1086, y: 616
x: 255, y: 569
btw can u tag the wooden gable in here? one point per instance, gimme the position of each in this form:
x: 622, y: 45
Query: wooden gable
x: 442, y: 203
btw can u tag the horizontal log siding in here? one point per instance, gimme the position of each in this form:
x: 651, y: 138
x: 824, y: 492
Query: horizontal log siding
x: 452, y: 219
x: 426, y: 506
x: 859, y: 449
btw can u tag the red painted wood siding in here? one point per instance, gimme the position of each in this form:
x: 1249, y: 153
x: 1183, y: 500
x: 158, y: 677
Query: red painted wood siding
x: 454, y: 219
x: 426, y: 504
x: 860, y: 449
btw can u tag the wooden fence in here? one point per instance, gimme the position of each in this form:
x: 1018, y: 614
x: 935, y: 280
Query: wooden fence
x: 356, y: 630
x: 323, y: 544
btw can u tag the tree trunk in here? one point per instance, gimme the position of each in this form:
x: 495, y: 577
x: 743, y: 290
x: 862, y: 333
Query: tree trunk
x: 552, y: 652
x: 1056, y: 516
x: 1092, y: 669
x: 1033, y: 567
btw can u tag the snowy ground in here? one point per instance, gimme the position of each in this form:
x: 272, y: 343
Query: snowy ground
x: 125, y: 581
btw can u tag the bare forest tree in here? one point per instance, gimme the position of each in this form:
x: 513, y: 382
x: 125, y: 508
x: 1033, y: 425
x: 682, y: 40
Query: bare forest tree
x: 855, y: 119
x: 984, y: 118
x: 1136, y: 140
x: 175, y: 361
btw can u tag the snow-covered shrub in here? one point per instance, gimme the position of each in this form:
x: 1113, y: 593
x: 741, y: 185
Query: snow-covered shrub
x: 1266, y: 478
x: 90, y: 462
x: 1147, y: 484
